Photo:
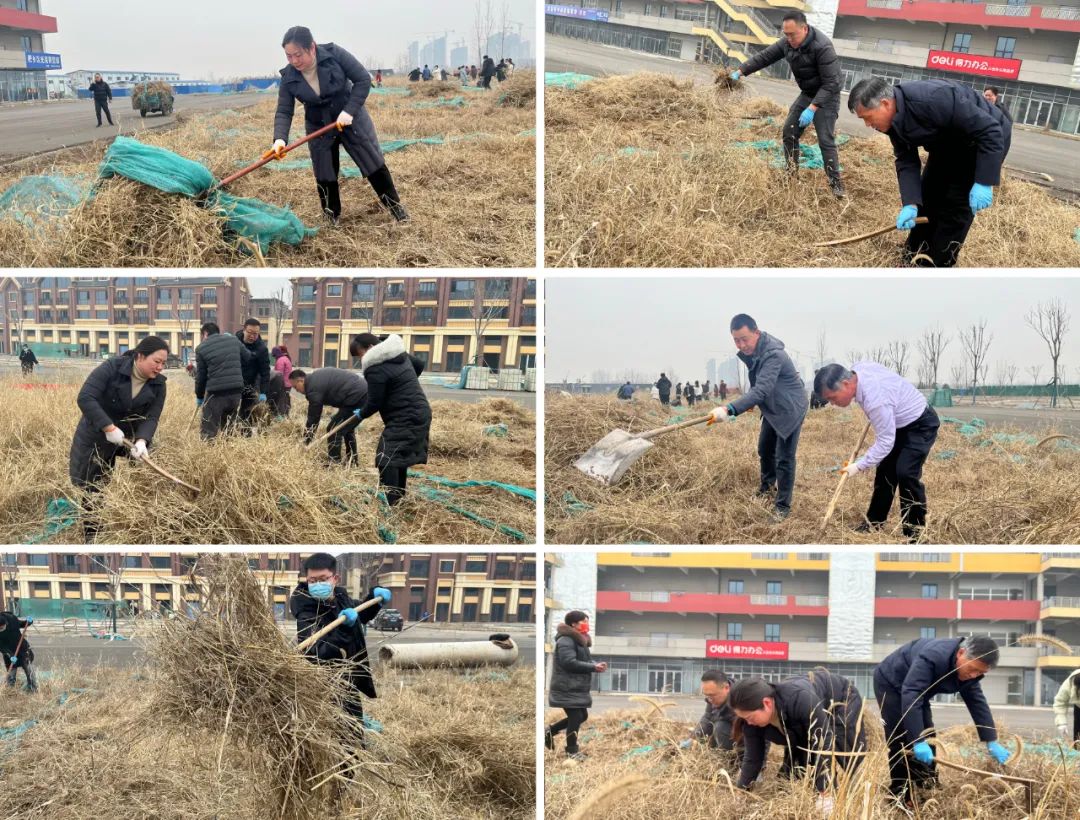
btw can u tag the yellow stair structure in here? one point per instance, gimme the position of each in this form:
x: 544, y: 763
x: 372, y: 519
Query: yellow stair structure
x: 721, y: 42
x: 761, y: 30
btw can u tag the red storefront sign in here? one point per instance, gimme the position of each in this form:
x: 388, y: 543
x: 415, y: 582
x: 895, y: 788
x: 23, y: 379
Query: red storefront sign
x: 755, y: 650
x: 1001, y: 68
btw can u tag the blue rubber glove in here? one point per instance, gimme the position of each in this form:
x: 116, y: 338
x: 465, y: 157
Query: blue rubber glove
x: 998, y: 752
x: 357, y: 412
x: 905, y: 220
x: 198, y: 402
x: 14, y: 660
x: 686, y: 744
x: 382, y: 592
x: 262, y: 397
x: 981, y: 196
x: 735, y: 75
x: 923, y: 753
x: 350, y: 616
x: 29, y: 619
x: 806, y: 117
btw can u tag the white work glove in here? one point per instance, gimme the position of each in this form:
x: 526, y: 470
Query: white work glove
x: 824, y: 805
x: 278, y: 149
x: 1063, y: 730
x: 344, y: 119
x: 719, y: 414
x: 115, y: 435
x: 139, y: 450
x: 850, y: 470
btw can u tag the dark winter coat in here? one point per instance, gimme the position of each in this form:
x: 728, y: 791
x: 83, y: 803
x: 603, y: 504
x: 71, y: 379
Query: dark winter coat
x: 256, y: 367
x: 715, y: 726
x: 342, y: 645
x: 571, y: 670
x: 626, y: 392
x: 344, y: 85
x: 949, y: 119
x: 488, y: 68
x: 394, y: 392
x: 277, y: 393
x: 332, y: 387
x: 926, y: 667
x: 664, y: 386
x: 27, y: 357
x: 818, y: 711
x: 775, y: 387
x: 219, y: 365
x: 814, y: 65
x: 9, y: 637
x: 101, y: 91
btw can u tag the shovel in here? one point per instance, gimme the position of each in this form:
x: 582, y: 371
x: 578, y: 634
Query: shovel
x: 270, y: 156
x: 334, y: 624
x: 843, y: 478
x: 615, y: 453
x: 832, y: 243
x: 162, y: 472
x: 333, y: 430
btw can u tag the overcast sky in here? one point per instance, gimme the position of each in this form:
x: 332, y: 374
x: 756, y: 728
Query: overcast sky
x: 203, y: 38
x: 265, y: 286
x: 655, y: 324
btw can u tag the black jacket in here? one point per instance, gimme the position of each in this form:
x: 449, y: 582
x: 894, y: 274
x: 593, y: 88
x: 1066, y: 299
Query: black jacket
x: 818, y: 711
x: 488, y: 68
x: 105, y: 399
x: 333, y: 387
x: 219, y: 363
x: 394, y: 392
x: 715, y: 726
x: 342, y: 645
x: 664, y: 386
x: 925, y: 667
x: 571, y: 670
x: 813, y: 64
x: 101, y: 91
x: 256, y: 367
x: 775, y: 387
x: 27, y: 356
x: 9, y: 638
x: 949, y: 119
x: 344, y: 85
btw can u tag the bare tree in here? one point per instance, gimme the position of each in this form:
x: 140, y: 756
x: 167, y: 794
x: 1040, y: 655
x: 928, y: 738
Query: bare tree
x: 931, y: 348
x: 975, y: 342
x: 183, y: 313
x: 878, y: 353
x: 1035, y: 370
x: 280, y: 310
x: 959, y: 375
x: 822, y: 352
x: 488, y: 290
x: 504, y: 23
x: 854, y: 355
x: 897, y: 356
x: 483, y: 25
x: 1051, y: 322
x: 115, y: 582
x: 9, y: 576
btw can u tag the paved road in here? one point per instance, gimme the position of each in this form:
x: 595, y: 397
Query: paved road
x: 1030, y: 151
x: 1028, y: 721
x: 32, y: 129
x: 1063, y: 420
x: 434, y: 391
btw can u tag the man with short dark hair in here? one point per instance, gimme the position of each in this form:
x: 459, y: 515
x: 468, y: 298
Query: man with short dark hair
x: 966, y: 139
x: 626, y: 392
x: 992, y: 94
x: 27, y: 359
x: 332, y: 387
x: 102, y: 94
x: 778, y: 391
x: 715, y: 726
x: 816, y: 70
x: 663, y: 387
x: 16, y: 650
x: 219, y: 379
x: 904, y: 684
x: 256, y: 370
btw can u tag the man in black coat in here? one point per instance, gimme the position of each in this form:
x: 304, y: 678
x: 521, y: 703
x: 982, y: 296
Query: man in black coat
x: 816, y: 69
x: 332, y: 387
x: 966, y: 139
x: 333, y: 86
x: 487, y: 71
x: 28, y: 360
x: 716, y: 726
x: 394, y: 392
x: 319, y: 600
x: 256, y: 370
x: 102, y: 97
x: 904, y: 684
x: 663, y: 386
x: 992, y: 94
x: 16, y: 649
x: 219, y: 378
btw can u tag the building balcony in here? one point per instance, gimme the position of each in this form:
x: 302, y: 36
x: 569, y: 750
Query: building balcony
x: 1033, y: 18
x: 712, y: 604
x: 1060, y: 560
x: 952, y: 609
x: 1060, y: 607
x: 27, y: 21
x: 1050, y: 658
x: 999, y: 610
x: 651, y: 21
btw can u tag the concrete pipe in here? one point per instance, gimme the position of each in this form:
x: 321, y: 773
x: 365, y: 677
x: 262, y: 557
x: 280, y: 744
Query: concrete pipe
x: 498, y: 650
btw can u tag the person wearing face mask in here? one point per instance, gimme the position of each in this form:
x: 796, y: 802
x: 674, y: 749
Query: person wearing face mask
x: 16, y: 650
x: 319, y: 600
x: 571, y: 680
x: 121, y: 398
x: 904, y: 684
x: 816, y: 718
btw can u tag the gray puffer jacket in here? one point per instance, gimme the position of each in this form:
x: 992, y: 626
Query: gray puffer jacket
x: 572, y: 671
x: 219, y: 363
x: 332, y: 387
x: 775, y: 387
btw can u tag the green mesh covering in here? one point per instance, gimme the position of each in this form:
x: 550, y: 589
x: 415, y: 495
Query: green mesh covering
x: 42, y: 196
x: 809, y: 155
x: 260, y: 221
x: 453, y: 102
x: 390, y: 90
x: 566, y: 79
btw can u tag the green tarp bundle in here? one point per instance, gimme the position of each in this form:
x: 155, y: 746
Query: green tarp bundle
x: 566, y: 79
x: 809, y: 156
x: 454, y: 102
x: 42, y: 196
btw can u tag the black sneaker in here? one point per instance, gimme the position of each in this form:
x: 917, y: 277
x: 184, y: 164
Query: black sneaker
x: 837, y: 188
x: 779, y: 515
x: 576, y: 755
x: 549, y: 741
x: 399, y: 212
x: 866, y: 526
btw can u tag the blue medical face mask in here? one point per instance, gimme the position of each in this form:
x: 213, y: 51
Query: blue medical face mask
x: 321, y: 590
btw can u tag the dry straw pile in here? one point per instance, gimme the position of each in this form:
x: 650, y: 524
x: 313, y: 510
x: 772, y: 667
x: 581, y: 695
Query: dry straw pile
x: 472, y: 199
x: 643, y: 171
x: 698, y: 485
x: 267, y: 488
x: 229, y: 721
x: 622, y: 780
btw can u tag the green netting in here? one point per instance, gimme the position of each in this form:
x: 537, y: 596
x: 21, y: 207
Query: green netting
x: 529, y: 132
x: 513, y: 489
x: 60, y: 514
x: 391, y: 90
x: 260, y: 221
x: 350, y: 170
x: 42, y: 196
x: 566, y: 79
x: 496, y: 430
x: 1076, y: 235
x: 809, y: 155
x: 941, y: 397
x: 454, y: 102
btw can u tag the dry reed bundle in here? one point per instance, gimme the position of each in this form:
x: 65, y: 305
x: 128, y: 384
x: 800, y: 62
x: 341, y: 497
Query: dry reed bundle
x: 686, y: 196
x: 696, y: 783
x: 472, y: 199
x: 698, y: 485
x: 267, y: 488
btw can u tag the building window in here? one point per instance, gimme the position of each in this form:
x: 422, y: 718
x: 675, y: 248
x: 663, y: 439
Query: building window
x: 648, y: 9
x: 424, y: 316
x: 501, y: 312
x: 37, y: 560
x: 209, y: 296
x: 524, y: 613
x: 120, y: 317
x: 120, y: 297
x: 363, y: 292
x: 418, y: 568
x: 1005, y: 47
x: 83, y: 297
x: 445, y: 592
x: 164, y: 295
x: 528, y: 571
x: 530, y: 289
x: 333, y: 290
x: 391, y: 316
x: 69, y: 563
x: 459, y: 313
x: 306, y: 317
x: 163, y: 313
x: 504, y: 571
x: 928, y: 632
x: 774, y: 588
x: 186, y: 295
x: 160, y: 562
x: 772, y: 632
x: 734, y: 632
x: 961, y: 43
x: 735, y: 587
x: 142, y: 316
x: 663, y: 11
x: 528, y: 316
x: 333, y: 314
x: 497, y: 288
x: 395, y: 290
x: 305, y: 293
x: 463, y: 289
x: 131, y: 562
x: 929, y: 590
x: 26, y: 44
x: 427, y: 290
x: 208, y: 315
x: 476, y: 566
x: 142, y: 297
x: 364, y: 313
x: 446, y: 566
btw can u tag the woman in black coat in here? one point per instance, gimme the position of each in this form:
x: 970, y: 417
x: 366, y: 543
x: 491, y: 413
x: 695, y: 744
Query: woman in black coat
x: 121, y: 398
x: 332, y: 85
x: 571, y: 679
x: 394, y: 392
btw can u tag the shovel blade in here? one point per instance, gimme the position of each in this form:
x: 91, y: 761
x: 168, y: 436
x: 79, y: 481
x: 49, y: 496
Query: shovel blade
x: 609, y: 459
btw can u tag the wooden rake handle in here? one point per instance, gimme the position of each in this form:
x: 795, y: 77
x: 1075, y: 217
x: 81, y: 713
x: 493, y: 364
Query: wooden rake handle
x: 832, y: 243
x: 161, y: 471
x: 840, y: 487
x: 333, y: 430
x: 270, y: 156
x: 334, y: 624
x: 659, y: 431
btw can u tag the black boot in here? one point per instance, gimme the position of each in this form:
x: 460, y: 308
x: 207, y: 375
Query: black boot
x: 330, y: 199
x: 383, y: 184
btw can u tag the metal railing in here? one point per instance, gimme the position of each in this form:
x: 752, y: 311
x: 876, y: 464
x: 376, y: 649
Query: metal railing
x: 769, y: 556
x: 811, y: 600
x: 1046, y: 556
x: 1061, y: 12
x: 769, y: 600
x: 651, y: 597
x: 1045, y: 651
x: 895, y: 5
x: 925, y: 557
x: 1008, y: 11
x: 1057, y: 600
x: 767, y: 25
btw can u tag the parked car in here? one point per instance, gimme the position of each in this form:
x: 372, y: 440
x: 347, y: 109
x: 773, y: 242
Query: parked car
x: 388, y: 620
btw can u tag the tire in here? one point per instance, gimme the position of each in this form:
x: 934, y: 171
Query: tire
x: 142, y: 112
